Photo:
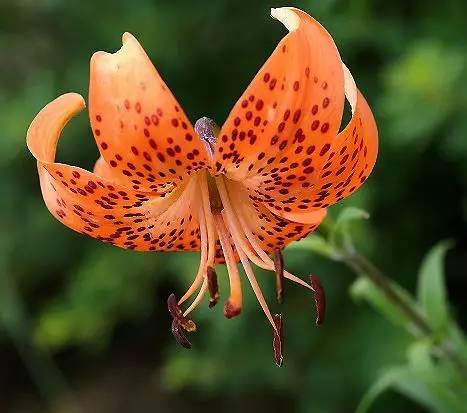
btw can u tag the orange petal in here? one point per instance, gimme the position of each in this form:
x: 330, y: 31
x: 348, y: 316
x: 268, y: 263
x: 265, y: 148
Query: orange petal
x: 341, y: 166
x: 301, y: 84
x: 141, y: 131
x: 104, y: 209
x: 271, y: 230
x: 294, y: 161
x: 104, y: 170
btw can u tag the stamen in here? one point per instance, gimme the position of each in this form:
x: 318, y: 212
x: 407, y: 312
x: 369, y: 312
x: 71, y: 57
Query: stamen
x: 177, y: 315
x: 234, y: 227
x: 240, y: 238
x: 254, y: 283
x: 279, y: 267
x: 202, y: 264
x: 213, y: 287
x: 179, y: 335
x: 209, y: 220
x: 208, y: 239
x: 233, y: 306
x: 278, y: 341
x: 251, y: 238
x: 198, y: 298
x: 238, y: 227
x: 173, y: 307
x: 267, y: 262
x: 320, y: 298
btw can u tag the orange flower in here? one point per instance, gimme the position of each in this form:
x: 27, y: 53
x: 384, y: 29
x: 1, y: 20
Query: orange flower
x: 262, y: 182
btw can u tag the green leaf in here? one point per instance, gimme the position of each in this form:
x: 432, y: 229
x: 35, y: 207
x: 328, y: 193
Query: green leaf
x: 431, y: 290
x: 420, y: 358
x: 457, y: 337
x: 364, y: 289
x: 314, y: 243
x: 382, y: 384
x: 340, y: 237
x: 351, y: 213
x: 436, y: 396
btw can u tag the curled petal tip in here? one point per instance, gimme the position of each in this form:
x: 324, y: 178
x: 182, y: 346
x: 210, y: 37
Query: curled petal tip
x: 96, y: 56
x: 350, y: 88
x: 71, y: 99
x: 44, y: 131
x: 287, y: 17
x: 80, y: 102
x: 127, y: 36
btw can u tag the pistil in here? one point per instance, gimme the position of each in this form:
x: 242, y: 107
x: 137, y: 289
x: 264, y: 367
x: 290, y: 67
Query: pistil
x: 207, y: 130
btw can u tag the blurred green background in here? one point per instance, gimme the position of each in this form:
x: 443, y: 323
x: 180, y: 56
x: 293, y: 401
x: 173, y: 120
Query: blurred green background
x: 85, y: 324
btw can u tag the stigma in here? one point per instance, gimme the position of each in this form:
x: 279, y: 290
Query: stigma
x: 207, y: 131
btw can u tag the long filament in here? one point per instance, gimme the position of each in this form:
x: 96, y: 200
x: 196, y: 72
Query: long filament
x: 208, y: 246
x: 209, y: 219
x: 198, y: 298
x: 234, y: 277
x: 257, y: 248
x: 252, y: 279
x: 202, y: 264
x: 234, y: 226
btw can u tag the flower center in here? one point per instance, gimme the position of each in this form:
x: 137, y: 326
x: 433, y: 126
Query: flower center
x: 207, y: 131
x: 225, y: 232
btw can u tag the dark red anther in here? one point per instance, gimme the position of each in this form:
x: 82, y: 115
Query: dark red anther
x: 177, y: 331
x: 320, y: 298
x: 213, y: 287
x: 179, y: 322
x: 173, y: 307
x: 278, y: 341
x: 279, y: 268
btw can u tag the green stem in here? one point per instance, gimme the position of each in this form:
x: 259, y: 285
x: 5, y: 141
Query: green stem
x: 366, y: 268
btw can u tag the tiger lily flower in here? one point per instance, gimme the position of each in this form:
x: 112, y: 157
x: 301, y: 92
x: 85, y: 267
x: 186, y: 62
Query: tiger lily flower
x: 240, y: 194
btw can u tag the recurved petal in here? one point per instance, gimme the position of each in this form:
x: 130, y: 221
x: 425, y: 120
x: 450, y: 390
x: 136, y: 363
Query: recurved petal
x: 295, y: 100
x: 339, y: 168
x: 44, y: 131
x: 141, y: 130
x: 281, y: 139
x: 104, y: 209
